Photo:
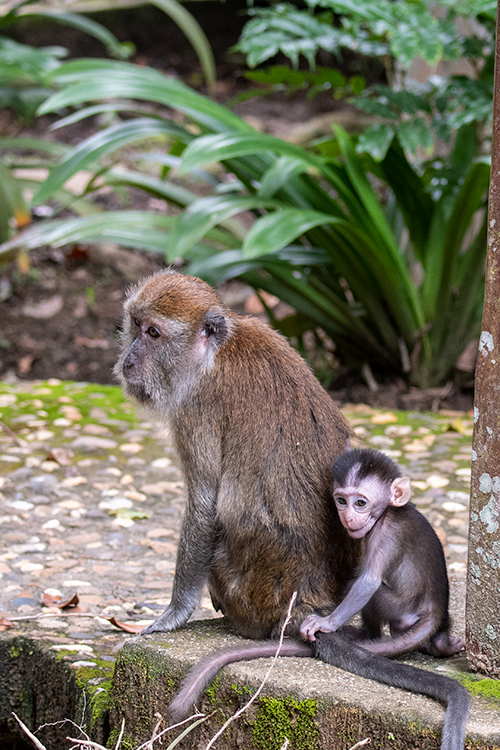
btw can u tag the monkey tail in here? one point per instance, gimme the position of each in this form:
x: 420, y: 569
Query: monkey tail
x: 408, y: 641
x: 203, y: 673
x: 336, y: 650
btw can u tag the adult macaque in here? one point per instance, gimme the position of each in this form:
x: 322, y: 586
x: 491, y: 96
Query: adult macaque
x: 256, y: 435
x: 401, y: 579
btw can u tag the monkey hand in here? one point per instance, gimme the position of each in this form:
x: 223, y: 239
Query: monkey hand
x: 170, y: 619
x: 312, y: 624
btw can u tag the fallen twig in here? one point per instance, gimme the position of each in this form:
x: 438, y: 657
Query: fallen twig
x: 266, y: 677
x: 32, y: 737
x: 13, y: 435
x: 366, y: 741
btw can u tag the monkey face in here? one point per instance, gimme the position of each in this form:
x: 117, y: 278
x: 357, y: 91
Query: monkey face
x: 354, y: 511
x: 360, y: 504
x: 172, y: 329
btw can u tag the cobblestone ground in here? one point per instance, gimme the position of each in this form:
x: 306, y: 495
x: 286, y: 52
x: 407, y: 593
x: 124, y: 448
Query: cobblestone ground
x: 91, y: 500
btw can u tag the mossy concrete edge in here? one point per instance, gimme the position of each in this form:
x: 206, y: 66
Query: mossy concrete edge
x: 314, y: 705
x: 58, y: 688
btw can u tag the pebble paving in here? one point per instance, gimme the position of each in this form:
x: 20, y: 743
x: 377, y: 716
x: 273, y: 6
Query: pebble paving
x: 91, y: 500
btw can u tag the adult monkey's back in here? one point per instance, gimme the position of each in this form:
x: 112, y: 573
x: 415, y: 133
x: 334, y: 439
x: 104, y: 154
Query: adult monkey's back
x: 256, y: 435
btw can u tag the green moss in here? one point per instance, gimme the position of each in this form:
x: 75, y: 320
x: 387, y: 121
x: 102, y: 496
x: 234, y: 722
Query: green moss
x: 82, y: 396
x: 125, y: 744
x: 484, y: 687
x: 212, y: 691
x: 154, y: 668
x: 240, y: 691
x: 15, y: 651
x: 282, y: 718
x: 97, y: 696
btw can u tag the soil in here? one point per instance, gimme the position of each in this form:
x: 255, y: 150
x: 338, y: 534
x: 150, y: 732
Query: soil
x: 61, y: 319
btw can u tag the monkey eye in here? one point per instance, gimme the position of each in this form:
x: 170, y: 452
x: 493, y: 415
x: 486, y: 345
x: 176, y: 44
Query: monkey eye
x: 360, y: 502
x: 153, y: 332
x: 340, y: 500
x: 137, y: 322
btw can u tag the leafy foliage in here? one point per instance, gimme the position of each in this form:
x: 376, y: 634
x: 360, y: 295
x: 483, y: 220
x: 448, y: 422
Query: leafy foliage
x: 23, y: 69
x: 395, y: 33
x: 281, y: 78
x: 22, y: 75
x: 396, y: 283
x: 25, y: 84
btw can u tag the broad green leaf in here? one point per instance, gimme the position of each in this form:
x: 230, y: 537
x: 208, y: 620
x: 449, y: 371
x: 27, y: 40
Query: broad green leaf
x: 172, y: 193
x: 277, y: 230
x: 95, y: 109
x: 207, y: 213
x: 442, y: 256
x: 12, y: 203
x: 94, y: 80
x: 35, y: 144
x: 192, y: 29
x: 375, y: 141
x: 100, y: 144
x: 212, y: 148
x: 365, y: 191
x: 279, y: 173
x: 414, y: 202
x: 91, y: 27
x: 140, y: 229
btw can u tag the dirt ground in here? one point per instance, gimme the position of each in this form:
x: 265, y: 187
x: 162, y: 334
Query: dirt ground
x: 61, y: 319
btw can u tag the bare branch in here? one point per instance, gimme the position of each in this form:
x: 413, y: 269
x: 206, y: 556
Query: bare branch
x: 32, y: 737
x: 122, y: 729
x: 366, y: 741
x: 266, y: 677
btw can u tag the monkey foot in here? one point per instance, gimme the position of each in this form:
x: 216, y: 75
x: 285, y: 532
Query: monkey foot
x: 443, y: 645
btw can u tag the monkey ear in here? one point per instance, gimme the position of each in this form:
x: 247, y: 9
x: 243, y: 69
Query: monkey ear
x: 400, y: 491
x: 215, y: 327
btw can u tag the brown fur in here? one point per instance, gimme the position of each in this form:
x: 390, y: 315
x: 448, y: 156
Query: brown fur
x: 256, y: 435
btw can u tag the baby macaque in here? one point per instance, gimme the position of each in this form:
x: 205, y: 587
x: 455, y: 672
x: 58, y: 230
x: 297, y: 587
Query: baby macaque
x: 401, y: 578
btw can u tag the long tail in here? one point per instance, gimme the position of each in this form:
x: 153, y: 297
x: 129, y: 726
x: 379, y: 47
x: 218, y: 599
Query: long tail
x: 203, y: 673
x: 334, y: 649
x: 398, y: 644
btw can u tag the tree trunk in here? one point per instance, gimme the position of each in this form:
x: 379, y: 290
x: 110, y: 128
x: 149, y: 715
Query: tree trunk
x: 483, y: 577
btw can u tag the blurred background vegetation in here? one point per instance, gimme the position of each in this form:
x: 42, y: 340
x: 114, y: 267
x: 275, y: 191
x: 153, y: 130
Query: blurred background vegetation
x: 373, y: 233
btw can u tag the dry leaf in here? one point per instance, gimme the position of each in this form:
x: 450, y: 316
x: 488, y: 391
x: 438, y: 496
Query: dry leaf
x: 24, y: 364
x: 55, y: 601
x: 126, y: 627
x: 63, y: 456
x: 456, y: 426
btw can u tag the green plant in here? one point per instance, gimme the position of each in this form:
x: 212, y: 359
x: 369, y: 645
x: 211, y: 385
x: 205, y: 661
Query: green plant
x: 24, y: 163
x: 395, y: 281
x: 76, y: 18
x: 23, y: 68
x: 394, y: 34
x: 290, y: 80
x: 25, y: 83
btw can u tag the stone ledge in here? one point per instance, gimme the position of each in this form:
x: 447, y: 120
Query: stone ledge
x: 317, y: 706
